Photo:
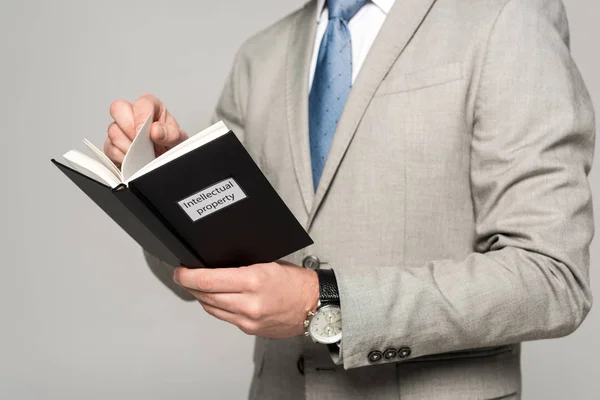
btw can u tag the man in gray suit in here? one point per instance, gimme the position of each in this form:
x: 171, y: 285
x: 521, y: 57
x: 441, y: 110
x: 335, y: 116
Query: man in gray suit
x: 447, y: 190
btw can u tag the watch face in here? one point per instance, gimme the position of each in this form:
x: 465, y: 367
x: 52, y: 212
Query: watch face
x: 326, y: 326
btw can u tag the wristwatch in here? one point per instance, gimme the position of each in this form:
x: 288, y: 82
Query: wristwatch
x: 325, y: 324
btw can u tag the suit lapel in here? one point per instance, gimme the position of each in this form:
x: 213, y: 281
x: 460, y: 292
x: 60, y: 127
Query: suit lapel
x: 298, y: 60
x: 400, y: 25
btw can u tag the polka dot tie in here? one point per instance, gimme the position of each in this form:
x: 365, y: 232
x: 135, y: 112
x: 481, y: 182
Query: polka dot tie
x: 332, y: 82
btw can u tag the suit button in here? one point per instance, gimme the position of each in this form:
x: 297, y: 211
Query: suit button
x: 300, y: 365
x: 375, y: 356
x: 311, y: 262
x: 389, y: 354
x: 404, y: 352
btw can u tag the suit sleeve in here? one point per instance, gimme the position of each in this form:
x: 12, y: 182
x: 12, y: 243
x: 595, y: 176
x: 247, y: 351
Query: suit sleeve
x: 229, y: 111
x: 527, y: 278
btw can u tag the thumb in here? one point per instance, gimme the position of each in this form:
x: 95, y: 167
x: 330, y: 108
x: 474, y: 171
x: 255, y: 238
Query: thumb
x: 167, y: 135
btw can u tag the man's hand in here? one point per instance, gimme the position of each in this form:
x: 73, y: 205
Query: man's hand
x: 268, y: 300
x: 164, y: 132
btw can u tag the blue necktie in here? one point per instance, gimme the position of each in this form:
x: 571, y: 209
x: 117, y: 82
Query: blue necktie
x: 332, y: 82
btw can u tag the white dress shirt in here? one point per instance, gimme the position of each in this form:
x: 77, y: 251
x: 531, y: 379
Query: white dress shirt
x: 364, y: 27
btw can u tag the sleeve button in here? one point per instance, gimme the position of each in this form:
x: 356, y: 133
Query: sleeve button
x: 404, y: 352
x: 375, y: 356
x: 390, y: 354
x: 311, y: 262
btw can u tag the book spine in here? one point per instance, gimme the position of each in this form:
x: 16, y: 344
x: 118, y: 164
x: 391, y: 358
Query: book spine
x: 138, y: 204
x: 135, y: 218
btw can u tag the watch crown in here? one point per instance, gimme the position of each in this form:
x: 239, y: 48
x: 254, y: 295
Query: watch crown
x: 306, y: 323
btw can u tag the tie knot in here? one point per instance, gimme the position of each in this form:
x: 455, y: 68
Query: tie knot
x: 344, y: 9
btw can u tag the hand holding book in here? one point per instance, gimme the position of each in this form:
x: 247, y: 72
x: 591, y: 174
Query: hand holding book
x: 201, y: 202
x: 268, y: 300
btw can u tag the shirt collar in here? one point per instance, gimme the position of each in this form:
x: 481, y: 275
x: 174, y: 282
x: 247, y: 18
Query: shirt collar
x: 384, y: 5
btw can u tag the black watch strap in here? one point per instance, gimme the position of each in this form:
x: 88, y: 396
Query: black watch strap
x: 328, y: 288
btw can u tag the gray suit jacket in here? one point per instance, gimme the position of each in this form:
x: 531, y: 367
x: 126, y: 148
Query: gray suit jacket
x: 454, y: 205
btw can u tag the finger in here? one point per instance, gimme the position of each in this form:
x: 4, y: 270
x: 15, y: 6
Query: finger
x: 218, y: 280
x: 249, y: 327
x: 112, y: 152
x: 144, y: 106
x: 218, y: 313
x: 169, y: 120
x: 167, y: 135
x: 232, y: 302
x: 118, y: 138
x: 121, y: 112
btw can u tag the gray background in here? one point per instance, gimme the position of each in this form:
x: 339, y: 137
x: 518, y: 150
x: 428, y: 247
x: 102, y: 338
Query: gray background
x: 80, y: 314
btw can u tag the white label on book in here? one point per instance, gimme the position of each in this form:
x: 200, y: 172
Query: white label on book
x: 212, y: 199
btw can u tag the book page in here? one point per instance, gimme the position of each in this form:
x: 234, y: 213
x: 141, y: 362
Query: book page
x: 91, y: 168
x: 140, y: 153
x: 100, y: 156
x: 198, y: 140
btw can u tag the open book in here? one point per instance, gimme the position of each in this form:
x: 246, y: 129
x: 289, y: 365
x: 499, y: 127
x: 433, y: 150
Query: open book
x: 139, y: 159
x: 203, y: 203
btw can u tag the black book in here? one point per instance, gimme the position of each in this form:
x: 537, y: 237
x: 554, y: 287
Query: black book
x: 204, y: 203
